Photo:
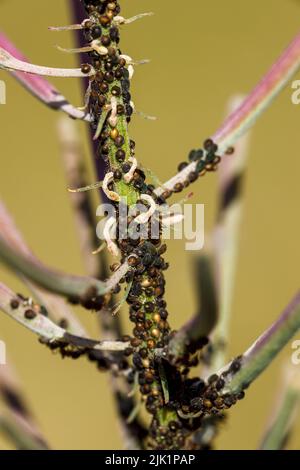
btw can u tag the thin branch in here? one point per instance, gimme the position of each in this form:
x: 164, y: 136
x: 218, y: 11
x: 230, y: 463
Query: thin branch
x: 284, y: 415
x: 29, y: 314
x: 15, y: 428
x: 133, y: 433
x: 77, y: 288
x: 278, y: 433
x: 40, y: 87
x: 239, y: 122
x: 260, y: 98
x: 57, y: 308
x: 265, y: 349
x: 225, y: 237
x: 9, y: 62
x: 19, y: 417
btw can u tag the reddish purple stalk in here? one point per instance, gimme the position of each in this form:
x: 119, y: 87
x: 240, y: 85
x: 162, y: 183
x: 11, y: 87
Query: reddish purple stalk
x: 39, y: 86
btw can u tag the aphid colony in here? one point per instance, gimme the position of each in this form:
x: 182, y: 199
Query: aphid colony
x: 184, y: 400
x: 110, y: 91
x: 190, y: 399
x: 69, y: 345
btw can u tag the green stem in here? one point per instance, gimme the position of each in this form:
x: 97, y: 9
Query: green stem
x: 276, y: 435
x: 266, y: 348
x: 28, y: 314
x: 77, y: 287
x: 20, y: 437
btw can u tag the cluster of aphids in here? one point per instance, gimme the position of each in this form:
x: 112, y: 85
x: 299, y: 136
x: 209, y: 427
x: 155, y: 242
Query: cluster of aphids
x: 201, y: 397
x: 31, y: 310
x: 110, y: 105
x: 111, y: 78
x: 147, y: 306
x: 172, y: 436
x: 104, y: 361
x: 206, y: 159
x: 149, y: 314
x: 193, y: 399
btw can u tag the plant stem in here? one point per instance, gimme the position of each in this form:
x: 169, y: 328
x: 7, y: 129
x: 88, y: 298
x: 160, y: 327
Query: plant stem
x: 15, y: 429
x: 117, y: 149
x: 264, y: 350
x: 18, y: 413
x: 276, y: 436
x: 225, y: 237
x: 242, y: 119
x: 40, y: 87
x: 284, y: 411
x: 74, y: 287
x: 29, y: 315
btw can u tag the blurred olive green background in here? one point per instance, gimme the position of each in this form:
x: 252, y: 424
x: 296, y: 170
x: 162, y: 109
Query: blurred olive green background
x: 202, y: 52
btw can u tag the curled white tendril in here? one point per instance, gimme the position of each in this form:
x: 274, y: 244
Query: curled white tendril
x: 127, y: 58
x: 172, y: 219
x: 130, y: 71
x: 112, y: 195
x: 111, y: 245
x: 95, y: 45
x: 169, y: 217
x: 145, y: 216
x: 129, y: 175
